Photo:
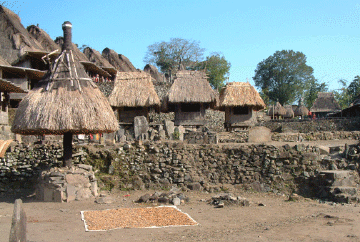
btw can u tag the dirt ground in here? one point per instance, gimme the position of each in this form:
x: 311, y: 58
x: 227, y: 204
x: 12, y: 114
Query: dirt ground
x: 279, y: 220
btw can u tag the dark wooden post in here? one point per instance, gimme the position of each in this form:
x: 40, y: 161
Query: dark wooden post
x: 67, y: 144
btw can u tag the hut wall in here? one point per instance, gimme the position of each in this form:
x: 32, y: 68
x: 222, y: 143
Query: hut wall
x: 232, y: 117
x: 21, y: 82
x: 191, y: 118
x: 4, y: 102
x: 127, y: 115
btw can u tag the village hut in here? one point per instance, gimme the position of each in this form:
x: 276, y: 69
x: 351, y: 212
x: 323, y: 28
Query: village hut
x: 43, y: 38
x: 65, y: 102
x: 301, y: 110
x: 276, y: 111
x: 240, y: 101
x: 189, y: 96
x: 95, y: 57
x: 133, y: 95
x: 289, y: 114
x: 325, y: 104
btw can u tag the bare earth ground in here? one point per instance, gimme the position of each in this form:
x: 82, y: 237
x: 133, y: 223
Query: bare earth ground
x: 278, y: 220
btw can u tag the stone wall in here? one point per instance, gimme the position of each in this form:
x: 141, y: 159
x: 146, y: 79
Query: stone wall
x: 212, y: 167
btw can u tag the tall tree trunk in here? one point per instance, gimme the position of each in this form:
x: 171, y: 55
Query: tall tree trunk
x: 67, y: 144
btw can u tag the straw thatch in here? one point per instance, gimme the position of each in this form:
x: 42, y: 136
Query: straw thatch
x: 43, y: 38
x: 190, y: 87
x: 325, y: 102
x: 14, y: 39
x: 133, y: 89
x: 120, y: 62
x: 301, y: 111
x: 240, y: 94
x: 65, y: 101
x: 289, y: 111
x: 277, y: 110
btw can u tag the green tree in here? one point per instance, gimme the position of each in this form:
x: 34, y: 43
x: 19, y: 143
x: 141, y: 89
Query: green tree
x: 167, y: 56
x: 284, y: 75
x: 347, y: 93
x: 217, y: 69
x: 313, y: 87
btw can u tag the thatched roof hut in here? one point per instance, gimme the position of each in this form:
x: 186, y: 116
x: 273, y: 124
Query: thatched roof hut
x: 65, y: 102
x: 276, y: 111
x: 325, y: 103
x: 240, y: 94
x: 134, y: 89
x: 120, y: 62
x: 189, y: 87
x: 301, y: 110
x: 289, y: 112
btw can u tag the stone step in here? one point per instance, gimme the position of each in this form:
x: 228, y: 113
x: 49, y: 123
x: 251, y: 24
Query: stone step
x: 353, y: 191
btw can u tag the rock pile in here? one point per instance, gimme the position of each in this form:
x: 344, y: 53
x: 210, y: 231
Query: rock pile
x: 225, y: 199
x: 67, y: 184
x: 173, y: 197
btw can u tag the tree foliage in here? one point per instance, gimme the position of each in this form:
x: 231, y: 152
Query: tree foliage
x: 283, y: 75
x: 312, y: 88
x: 347, y: 93
x: 167, y: 56
x: 217, y: 69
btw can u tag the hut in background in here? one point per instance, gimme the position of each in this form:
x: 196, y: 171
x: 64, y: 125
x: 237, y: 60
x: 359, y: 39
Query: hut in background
x: 276, y: 111
x: 154, y: 72
x: 301, y: 110
x: 120, y: 62
x: 289, y: 112
x: 240, y: 101
x: 65, y: 102
x: 189, y: 96
x: 325, y: 104
x: 133, y: 95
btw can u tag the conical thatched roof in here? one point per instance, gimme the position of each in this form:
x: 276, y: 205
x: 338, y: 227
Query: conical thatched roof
x: 3, y: 62
x: 301, y: 111
x: 240, y: 94
x: 289, y: 111
x: 120, y: 62
x: 325, y: 102
x: 190, y: 87
x: 43, y: 38
x: 65, y: 101
x: 133, y: 89
x: 14, y: 39
x: 277, y: 110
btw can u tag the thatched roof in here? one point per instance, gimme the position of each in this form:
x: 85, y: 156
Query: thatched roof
x: 24, y: 72
x: 277, y: 110
x: 65, y: 101
x: 289, y: 111
x: 133, y: 89
x: 301, y: 111
x: 95, y: 57
x: 240, y: 94
x: 325, y: 102
x: 154, y: 72
x: 120, y: 62
x: 14, y: 38
x: 43, y: 38
x: 190, y: 87
x: 3, y: 62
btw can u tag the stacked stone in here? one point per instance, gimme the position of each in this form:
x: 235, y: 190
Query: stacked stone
x: 67, y: 184
x: 106, y: 87
x: 21, y: 167
x: 313, y: 136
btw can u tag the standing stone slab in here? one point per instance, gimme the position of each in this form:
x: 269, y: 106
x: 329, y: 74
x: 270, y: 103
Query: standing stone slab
x: 169, y: 128
x: 259, y: 134
x: 141, y: 126
x: 18, y: 224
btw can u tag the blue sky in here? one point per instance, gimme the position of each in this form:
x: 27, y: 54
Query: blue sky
x: 246, y: 33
